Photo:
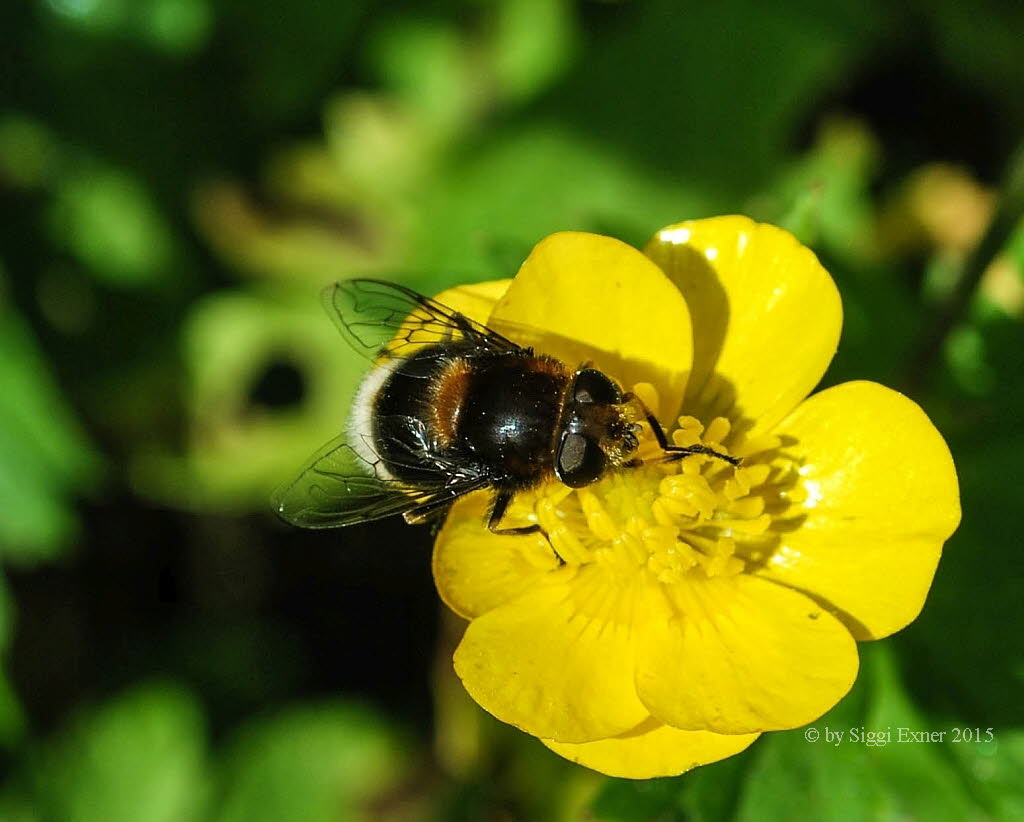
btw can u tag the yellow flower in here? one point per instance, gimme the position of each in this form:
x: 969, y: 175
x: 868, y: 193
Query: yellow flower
x: 699, y: 604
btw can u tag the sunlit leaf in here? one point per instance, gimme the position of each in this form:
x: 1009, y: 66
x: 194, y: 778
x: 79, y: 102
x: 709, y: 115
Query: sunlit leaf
x: 532, y: 46
x: 491, y: 208
x: 44, y: 456
x: 426, y: 63
x: 852, y: 764
x: 111, y: 223
x: 138, y: 757
x: 996, y: 768
x: 270, y: 382
x: 319, y: 763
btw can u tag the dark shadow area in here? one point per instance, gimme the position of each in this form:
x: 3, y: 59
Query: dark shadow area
x: 279, y: 386
x: 250, y: 613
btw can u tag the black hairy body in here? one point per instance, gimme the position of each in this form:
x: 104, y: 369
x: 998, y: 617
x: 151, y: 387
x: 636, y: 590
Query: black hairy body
x: 495, y: 414
x: 450, y: 407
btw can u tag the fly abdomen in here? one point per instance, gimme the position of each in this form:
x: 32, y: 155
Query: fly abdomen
x: 401, y: 420
x: 508, y: 416
x: 450, y: 408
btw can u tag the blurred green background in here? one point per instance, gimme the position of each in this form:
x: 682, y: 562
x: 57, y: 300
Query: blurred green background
x: 179, y: 178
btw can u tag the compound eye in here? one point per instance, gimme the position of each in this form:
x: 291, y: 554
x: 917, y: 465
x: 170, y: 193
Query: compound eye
x: 580, y: 461
x: 592, y: 386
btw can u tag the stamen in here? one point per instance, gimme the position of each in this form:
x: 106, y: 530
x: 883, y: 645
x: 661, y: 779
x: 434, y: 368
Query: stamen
x: 598, y: 520
x: 648, y: 395
x: 717, y: 431
x: 670, y: 520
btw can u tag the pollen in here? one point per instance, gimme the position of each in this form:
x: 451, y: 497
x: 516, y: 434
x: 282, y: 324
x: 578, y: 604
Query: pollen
x: 696, y: 517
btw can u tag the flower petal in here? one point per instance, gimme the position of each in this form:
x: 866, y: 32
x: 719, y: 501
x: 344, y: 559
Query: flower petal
x: 766, y: 317
x: 741, y: 654
x: 882, y: 499
x: 651, y: 750
x: 557, y: 661
x: 583, y: 297
x: 475, y: 570
x: 476, y: 300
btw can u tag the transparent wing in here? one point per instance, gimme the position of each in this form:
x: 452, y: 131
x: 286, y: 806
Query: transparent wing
x: 340, y: 487
x: 345, y: 482
x: 381, y: 319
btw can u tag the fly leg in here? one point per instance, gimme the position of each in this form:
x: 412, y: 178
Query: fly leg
x: 674, y: 453
x: 428, y: 512
x: 501, y: 503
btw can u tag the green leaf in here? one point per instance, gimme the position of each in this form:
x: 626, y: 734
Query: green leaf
x: 714, y: 92
x: 12, y: 718
x: 919, y: 777
x: 177, y: 27
x: 425, y: 63
x: 823, y: 197
x: 636, y: 801
x: 17, y: 806
x: 1015, y: 250
x: 488, y: 211
x: 826, y: 781
x: 44, y: 456
x: 996, y: 769
x: 533, y: 42
x: 29, y: 153
x: 284, y: 59
x: 245, y: 447
x: 968, y: 361
x: 110, y: 222
x: 139, y: 757
x: 712, y: 792
x: 977, y: 586
x: 312, y: 764
x: 854, y: 765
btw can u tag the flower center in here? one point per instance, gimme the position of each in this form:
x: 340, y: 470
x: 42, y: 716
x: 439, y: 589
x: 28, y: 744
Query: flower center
x: 699, y: 515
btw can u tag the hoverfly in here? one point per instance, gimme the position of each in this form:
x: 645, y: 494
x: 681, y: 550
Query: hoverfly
x: 451, y: 406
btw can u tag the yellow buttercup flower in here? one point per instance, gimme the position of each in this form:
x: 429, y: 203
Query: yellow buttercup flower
x: 699, y: 604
